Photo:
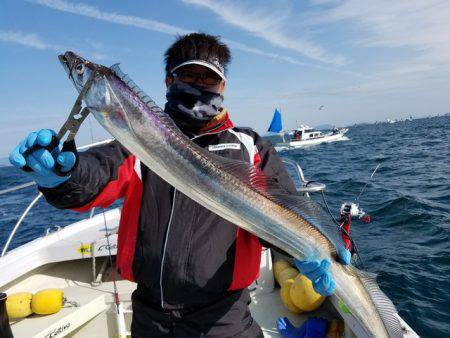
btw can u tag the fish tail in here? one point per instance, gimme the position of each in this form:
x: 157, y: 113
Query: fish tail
x: 383, y: 304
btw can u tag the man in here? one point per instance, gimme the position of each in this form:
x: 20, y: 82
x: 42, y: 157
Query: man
x: 192, y: 268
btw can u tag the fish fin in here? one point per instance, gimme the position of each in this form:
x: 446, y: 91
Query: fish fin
x: 383, y: 304
x: 299, y: 204
x: 135, y: 88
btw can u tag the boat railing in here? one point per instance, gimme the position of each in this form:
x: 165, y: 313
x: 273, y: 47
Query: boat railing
x: 305, y: 187
x: 35, y: 200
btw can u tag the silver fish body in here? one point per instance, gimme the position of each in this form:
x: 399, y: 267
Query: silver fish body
x: 234, y: 191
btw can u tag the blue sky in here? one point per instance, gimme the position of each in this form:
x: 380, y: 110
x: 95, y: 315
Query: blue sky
x: 362, y: 60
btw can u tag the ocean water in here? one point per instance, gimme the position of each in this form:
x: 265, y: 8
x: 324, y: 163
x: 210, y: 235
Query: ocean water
x: 408, y: 241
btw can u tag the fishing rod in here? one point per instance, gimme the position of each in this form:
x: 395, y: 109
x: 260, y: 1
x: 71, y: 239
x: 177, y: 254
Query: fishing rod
x: 365, y: 185
x: 120, y: 312
x: 348, y: 211
x: 345, y: 230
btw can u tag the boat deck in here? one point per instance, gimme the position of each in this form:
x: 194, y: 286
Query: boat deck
x: 93, y: 315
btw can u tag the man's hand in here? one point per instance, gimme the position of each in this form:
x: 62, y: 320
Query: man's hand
x: 41, y: 161
x: 318, y: 272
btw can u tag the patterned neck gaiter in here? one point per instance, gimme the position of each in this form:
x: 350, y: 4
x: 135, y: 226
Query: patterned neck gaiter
x: 192, y: 107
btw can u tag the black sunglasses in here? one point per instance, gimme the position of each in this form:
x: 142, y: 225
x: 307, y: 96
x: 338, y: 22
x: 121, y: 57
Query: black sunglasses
x: 209, y: 78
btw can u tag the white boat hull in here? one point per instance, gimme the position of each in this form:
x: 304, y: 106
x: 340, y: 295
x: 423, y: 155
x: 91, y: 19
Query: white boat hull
x: 294, y: 144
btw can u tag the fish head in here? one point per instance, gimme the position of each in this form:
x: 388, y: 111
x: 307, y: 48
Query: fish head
x: 78, y: 68
x: 98, y: 95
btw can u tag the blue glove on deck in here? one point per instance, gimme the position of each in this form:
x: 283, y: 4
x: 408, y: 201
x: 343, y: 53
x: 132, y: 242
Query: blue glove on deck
x: 317, y: 272
x: 41, y: 161
x: 287, y: 330
x: 311, y: 328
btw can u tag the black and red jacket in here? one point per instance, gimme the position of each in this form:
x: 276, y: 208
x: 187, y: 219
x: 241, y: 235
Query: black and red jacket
x: 183, y: 253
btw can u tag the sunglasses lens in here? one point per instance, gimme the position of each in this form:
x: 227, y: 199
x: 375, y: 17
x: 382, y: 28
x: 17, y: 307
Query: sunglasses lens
x: 186, y: 77
x: 211, y: 79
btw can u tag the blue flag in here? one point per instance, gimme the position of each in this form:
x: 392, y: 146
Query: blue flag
x: 275, y: 125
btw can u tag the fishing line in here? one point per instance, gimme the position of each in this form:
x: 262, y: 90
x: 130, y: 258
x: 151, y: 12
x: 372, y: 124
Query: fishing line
x: 90, y: 128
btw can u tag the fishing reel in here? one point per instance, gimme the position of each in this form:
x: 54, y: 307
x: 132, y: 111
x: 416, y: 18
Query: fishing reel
x: 348, y: 211
x: 353, y: 210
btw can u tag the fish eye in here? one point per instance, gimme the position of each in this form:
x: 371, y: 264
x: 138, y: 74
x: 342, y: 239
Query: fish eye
x: 79, y: 68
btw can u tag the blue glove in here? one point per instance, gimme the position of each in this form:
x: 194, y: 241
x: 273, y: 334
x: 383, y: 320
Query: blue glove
x: 311, y: 328
x: 287, y: 330
x: 317, y: 272
x: 41, y: 161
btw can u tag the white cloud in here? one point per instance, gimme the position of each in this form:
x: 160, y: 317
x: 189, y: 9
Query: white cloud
x: 117, y: 18
x: 238, y: 45
x: 253, y: 50
x: 422, y: 27
x: 95, y: 13
x: 270, y: 25
x: 27, y: 39
x: 32, y: 40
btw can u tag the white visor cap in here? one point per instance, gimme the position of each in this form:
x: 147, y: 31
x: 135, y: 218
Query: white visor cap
x: 216, y: 68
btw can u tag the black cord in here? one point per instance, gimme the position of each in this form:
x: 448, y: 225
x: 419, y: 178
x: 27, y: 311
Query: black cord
x: 328, y: 209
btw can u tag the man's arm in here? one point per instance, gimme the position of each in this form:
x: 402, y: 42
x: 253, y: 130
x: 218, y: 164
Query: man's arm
x: 100, y: 177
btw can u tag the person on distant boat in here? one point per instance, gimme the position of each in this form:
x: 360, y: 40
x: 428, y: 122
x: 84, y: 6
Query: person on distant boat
x: 192, y: 268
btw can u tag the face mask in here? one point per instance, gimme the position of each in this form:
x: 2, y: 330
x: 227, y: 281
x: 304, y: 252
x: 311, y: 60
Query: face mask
x: 191, y: 107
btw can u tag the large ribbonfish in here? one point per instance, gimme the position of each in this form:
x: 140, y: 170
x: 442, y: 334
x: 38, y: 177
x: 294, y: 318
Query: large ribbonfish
x: 232, y: 189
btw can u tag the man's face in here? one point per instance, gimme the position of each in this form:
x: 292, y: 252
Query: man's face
x: 198, y: 75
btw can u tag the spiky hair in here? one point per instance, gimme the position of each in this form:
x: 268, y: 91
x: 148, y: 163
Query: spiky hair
x: 197, y: 46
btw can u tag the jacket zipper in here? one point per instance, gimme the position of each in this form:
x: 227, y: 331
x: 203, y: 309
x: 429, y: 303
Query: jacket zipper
x: 167, y: 235
x: 164, y: 250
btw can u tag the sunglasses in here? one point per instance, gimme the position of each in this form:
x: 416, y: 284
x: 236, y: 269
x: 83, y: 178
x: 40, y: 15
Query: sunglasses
x: 209, y: 78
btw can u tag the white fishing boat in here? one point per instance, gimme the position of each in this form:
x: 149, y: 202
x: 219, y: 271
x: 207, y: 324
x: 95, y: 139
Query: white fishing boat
x: 302, y: 136
x: 305, y: 136
x: 79, y: 259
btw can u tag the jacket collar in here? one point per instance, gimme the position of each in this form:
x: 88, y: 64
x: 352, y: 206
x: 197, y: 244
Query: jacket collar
x: 219, y: 123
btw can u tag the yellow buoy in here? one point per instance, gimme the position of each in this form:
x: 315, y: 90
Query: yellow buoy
x: 47, y: 301
x: 278, y: 266
x: 18, y: 305
x: 286, y: 296
x: 303, y: 294
x: 287, y: 274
